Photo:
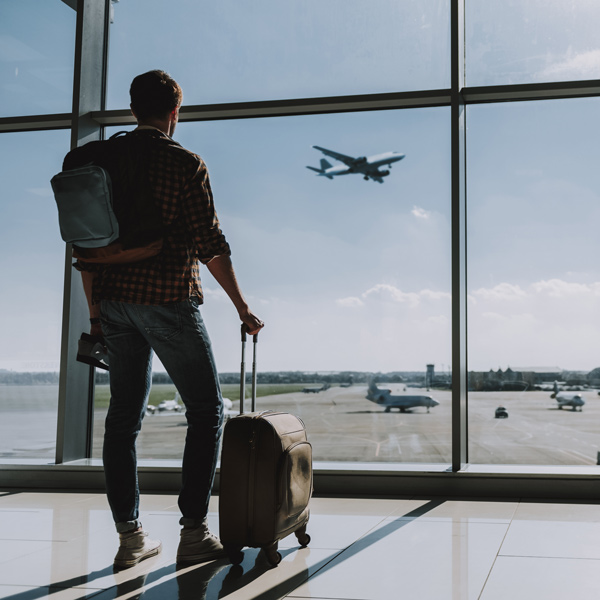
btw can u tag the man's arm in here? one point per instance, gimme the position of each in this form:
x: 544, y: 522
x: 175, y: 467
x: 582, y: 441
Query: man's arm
x: 221, y: 269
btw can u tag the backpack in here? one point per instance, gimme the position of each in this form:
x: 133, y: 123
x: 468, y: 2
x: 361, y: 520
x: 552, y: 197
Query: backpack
x: 105, y: 203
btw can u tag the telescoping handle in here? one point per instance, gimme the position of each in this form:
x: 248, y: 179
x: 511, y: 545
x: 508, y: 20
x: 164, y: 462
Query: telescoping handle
x: 243, y: 371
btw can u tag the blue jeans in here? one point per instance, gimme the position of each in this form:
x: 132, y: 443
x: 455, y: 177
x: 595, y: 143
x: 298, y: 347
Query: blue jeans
x: 177, y: 334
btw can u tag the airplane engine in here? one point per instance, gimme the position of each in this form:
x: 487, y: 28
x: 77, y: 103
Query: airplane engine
x: 384, y: 173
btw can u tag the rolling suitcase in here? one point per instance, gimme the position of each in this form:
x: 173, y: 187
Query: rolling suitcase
x: 265, y: 478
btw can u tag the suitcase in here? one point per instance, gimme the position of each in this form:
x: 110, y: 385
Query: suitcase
x: 265, y: 479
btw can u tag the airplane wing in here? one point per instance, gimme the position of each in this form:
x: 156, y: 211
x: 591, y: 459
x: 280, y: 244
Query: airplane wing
x: 348, y: 160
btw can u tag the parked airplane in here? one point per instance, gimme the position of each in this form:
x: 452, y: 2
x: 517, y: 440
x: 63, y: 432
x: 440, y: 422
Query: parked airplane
x: 368, y: 166
x: 575, y: 401
x: 166, y: 406
x: 316, y: 390
x: 385, y: 398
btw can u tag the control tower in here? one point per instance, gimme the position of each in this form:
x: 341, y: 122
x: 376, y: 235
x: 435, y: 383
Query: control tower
x: 429, y: 375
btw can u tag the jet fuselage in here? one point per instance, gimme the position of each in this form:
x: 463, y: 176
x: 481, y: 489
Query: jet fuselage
x: 575, y: 401
x: 385, y: 398
x: 367, y: 166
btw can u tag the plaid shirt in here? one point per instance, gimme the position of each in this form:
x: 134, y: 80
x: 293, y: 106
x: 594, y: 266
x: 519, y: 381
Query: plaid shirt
x: 181, y: 187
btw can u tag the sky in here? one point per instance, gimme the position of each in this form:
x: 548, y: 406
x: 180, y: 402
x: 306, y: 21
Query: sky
x: 347, y: 274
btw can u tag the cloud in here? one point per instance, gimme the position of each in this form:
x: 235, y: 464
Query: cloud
x: 388, y: 293
x: 554, y: 288
x: 561, y: 289
x: 384, y: 291
x: 431, y: 295
x: 351, y: 302
x: 388, y: 327
x: 420, y: 213
x: 585, y: 65
x: 503, y: 291
x: 545, y: 322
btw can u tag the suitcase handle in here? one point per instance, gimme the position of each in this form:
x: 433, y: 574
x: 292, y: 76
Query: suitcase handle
x: 243, y: 370
x: 245, y: 331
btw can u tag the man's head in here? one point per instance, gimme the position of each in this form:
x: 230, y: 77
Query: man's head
x: 155, y: 96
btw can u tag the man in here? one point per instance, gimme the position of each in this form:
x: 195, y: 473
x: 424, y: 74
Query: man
x: 152, y: 306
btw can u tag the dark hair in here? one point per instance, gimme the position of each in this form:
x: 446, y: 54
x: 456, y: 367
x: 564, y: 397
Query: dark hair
x: 154, y: 94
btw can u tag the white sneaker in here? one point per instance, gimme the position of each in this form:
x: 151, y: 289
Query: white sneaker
x: 135, y: 547
x: 198, y: 544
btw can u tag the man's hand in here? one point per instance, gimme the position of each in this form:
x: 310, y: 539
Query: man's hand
x: 252, y: 322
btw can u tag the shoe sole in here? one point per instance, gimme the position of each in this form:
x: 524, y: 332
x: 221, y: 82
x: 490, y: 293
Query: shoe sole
x: 198, y: 558
x: 126, y: 564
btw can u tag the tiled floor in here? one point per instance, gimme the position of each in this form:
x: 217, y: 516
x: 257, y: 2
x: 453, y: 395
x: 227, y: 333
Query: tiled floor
x: 61, y: 546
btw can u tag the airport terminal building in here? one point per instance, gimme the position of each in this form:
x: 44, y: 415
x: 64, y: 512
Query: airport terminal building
x: 447, y: 217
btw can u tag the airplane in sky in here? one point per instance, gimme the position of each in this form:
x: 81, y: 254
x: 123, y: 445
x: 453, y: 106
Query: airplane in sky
x: 385, y: 398
x: 575, y: 401
x: 367, y: 165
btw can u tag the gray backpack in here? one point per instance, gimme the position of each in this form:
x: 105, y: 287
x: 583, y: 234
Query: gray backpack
x: 85, y: 207
x: 105, y: 201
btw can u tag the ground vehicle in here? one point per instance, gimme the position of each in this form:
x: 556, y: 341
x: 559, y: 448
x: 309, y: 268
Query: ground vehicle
x: 501, y: 413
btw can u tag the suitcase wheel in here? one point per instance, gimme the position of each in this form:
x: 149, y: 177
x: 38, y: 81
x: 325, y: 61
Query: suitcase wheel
x: 273, y: 556
x: 303, y: 537
x: 235, y: 554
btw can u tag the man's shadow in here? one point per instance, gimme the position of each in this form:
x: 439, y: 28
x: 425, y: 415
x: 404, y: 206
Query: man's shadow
x: 219, y: 579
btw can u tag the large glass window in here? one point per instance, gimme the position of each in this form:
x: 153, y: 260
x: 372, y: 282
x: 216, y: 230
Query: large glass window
x: 37, y: 47
x: 31, y: 271
x: 351, y: 276
x: 231, y: 51
x: 531, y: 41
x: 534, y: 281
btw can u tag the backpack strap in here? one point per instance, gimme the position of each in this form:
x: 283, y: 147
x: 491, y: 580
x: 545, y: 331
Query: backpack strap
x: 119, y: 133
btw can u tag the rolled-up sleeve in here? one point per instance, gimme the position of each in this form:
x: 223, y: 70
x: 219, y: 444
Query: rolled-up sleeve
x: 201, y: 218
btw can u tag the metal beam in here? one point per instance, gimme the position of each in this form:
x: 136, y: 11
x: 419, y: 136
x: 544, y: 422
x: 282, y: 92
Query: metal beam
x: 286, y: 108
x: 35, y: 123
x: 459, y: 240
x: 335, y: 104
x: 388, y: 480
x: 76, y: 386
x: 532, y: 91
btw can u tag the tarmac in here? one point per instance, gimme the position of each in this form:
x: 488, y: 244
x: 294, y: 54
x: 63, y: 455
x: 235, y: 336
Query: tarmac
x: 344, y: 426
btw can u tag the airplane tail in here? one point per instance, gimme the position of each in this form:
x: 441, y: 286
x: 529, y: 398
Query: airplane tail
x: 324, y: 166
